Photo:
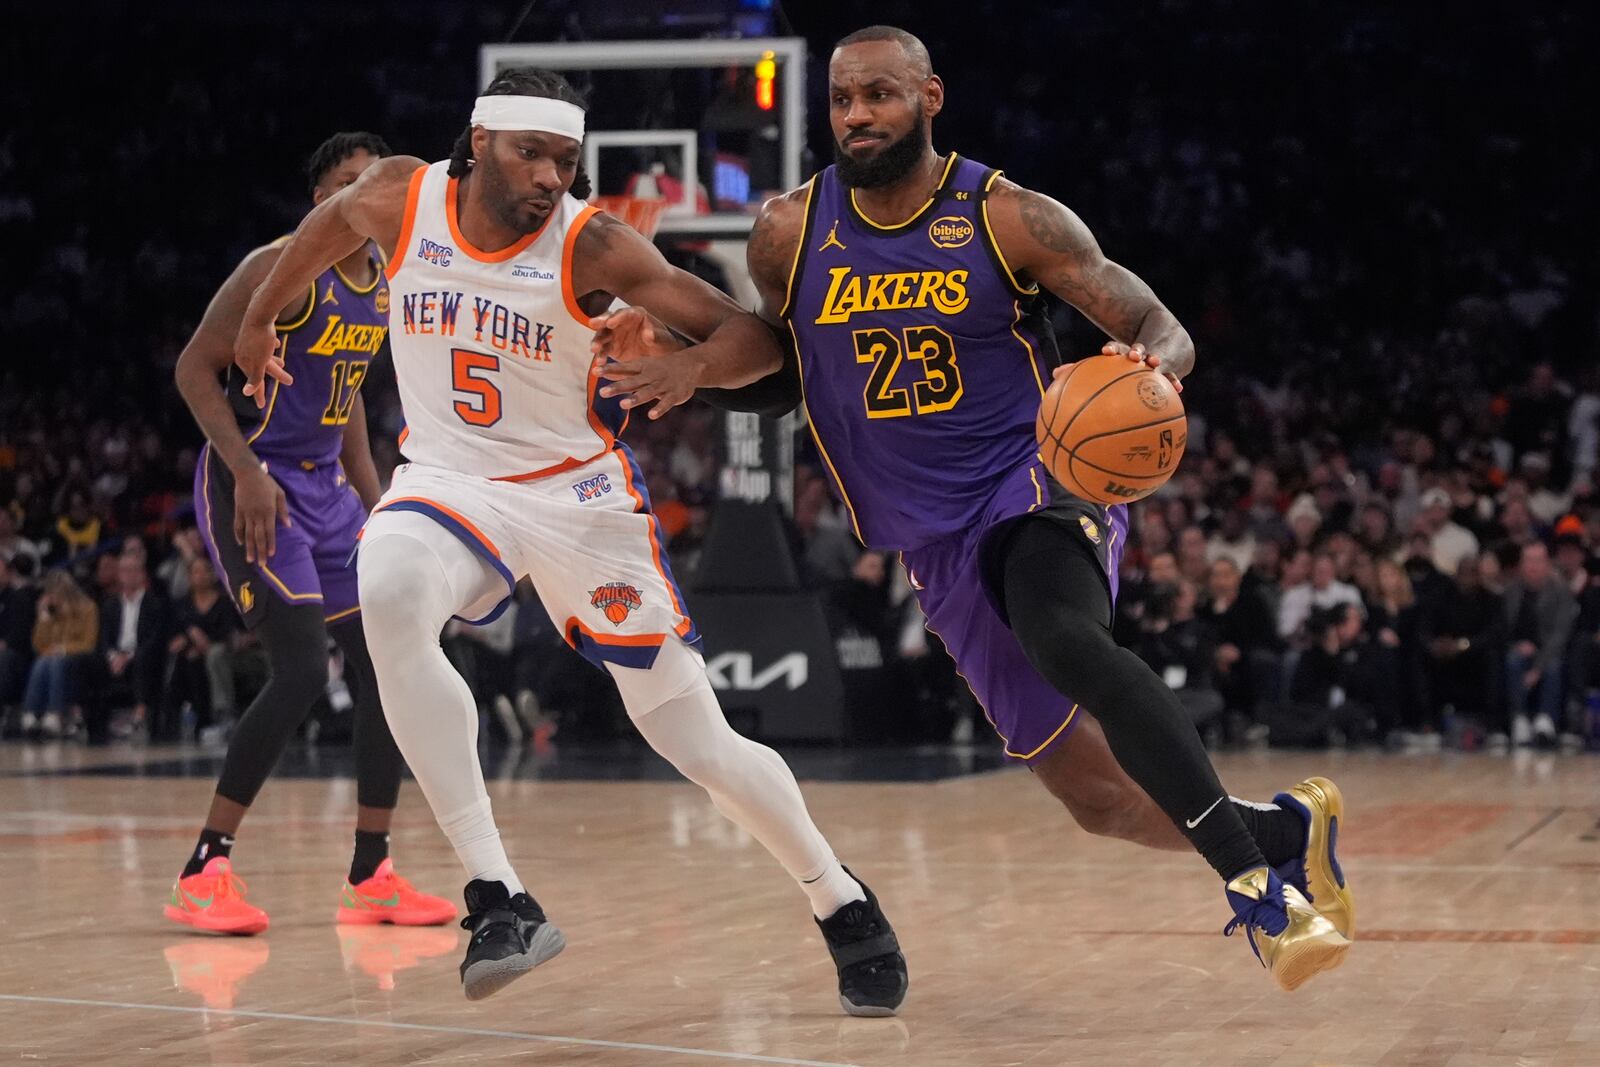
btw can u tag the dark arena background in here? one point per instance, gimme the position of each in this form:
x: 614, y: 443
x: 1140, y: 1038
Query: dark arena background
x: 1379, y: 560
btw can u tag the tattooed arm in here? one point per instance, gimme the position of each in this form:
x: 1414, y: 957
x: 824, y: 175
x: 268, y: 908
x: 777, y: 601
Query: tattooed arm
x: 1044, y: 241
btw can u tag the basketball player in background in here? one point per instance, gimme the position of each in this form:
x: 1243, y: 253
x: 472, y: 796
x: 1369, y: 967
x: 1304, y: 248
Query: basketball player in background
x: 281, y: 490
x: 910, y: 284
x: 497, y: 269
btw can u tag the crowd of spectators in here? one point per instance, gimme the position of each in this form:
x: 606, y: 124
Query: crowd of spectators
x: 1412, y: 589
x: 1386, y: 527
x: 1327, y: 591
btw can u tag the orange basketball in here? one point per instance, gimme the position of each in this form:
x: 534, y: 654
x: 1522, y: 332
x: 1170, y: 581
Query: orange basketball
x: 1111, y: 430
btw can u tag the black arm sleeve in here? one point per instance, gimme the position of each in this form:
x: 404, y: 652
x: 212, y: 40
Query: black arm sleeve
x: 773, y: 396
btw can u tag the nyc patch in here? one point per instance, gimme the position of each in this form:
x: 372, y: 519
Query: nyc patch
x: 593, y: 488
x: 437, y: 254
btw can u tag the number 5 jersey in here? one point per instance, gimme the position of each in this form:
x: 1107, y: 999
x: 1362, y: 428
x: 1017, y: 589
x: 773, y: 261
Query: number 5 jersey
x: 491, y: 351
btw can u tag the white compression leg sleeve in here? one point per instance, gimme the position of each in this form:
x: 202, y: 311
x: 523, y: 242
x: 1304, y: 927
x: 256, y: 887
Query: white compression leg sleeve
x: 412, y: 580
x: 674, y: 707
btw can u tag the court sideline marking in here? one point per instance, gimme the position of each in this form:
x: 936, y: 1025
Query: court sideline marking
x: 512, y: 1035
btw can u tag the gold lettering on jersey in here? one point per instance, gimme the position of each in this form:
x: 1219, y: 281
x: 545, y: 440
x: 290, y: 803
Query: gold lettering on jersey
x: 338, y: 336
x: 854, y: 294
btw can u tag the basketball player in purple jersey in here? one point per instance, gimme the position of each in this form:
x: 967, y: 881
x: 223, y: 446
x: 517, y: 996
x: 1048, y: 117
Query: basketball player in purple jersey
x: 906, y: 286
x: 281, y: 492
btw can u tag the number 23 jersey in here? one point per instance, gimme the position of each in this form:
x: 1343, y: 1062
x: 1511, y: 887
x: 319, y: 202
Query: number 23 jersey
x: 491, y: 350
x: 922, y: 357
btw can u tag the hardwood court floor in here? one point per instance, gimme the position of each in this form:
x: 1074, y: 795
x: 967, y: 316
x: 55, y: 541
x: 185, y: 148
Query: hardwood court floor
x: 1029, y: 942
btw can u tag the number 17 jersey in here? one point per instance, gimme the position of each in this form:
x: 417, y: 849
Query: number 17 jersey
x: 922, y: 357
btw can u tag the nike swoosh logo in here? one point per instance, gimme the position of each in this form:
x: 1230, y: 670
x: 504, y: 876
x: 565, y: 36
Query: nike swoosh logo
x: 1192, y: 823
x: 392, y: 902
x: 199, y: 902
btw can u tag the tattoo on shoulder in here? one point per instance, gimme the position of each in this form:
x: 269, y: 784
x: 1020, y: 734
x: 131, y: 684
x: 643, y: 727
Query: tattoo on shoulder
x: 1048, y: 223
x: 771, y: 249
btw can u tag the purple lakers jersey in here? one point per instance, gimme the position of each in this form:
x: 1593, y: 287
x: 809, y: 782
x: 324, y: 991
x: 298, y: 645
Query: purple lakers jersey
x: 327, y: 347
x: 922, y: 357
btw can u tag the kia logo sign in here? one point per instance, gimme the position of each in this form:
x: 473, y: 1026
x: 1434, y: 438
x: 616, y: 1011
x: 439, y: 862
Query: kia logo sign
x: 736, y: 671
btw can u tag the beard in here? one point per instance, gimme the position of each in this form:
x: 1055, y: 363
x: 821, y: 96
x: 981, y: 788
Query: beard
x: 509, y: 209
x: 891, y: 163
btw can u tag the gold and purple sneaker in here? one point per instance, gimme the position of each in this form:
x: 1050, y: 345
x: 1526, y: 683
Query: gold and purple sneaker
x: 1286, y: 933
x: 1317, y: 873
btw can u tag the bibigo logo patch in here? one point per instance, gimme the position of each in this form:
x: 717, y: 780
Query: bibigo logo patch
x: 950, y: 231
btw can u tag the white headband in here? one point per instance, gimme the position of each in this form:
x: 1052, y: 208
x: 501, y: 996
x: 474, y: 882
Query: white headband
x: 529, y: 113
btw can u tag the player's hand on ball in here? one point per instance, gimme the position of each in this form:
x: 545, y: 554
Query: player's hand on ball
x: 631, y: 332
x: 255, y: 350
x: 1136, y: 353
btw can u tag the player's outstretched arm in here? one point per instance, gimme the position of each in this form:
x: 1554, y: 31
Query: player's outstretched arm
x: 731, y: 347
x: 1043, y: 240
x: 372, y: 207
x: 769, y: 255
x: 631, y: 332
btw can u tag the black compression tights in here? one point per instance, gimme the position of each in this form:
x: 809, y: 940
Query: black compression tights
x: 1060, y: 611
x: 296, y: 640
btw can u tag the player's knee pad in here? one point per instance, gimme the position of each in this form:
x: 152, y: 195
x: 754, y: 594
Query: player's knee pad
x: 402, y: 585
x: 411, y: 564
x: 677, y: 671
x: 296, y: 642
x: 1061, y: 637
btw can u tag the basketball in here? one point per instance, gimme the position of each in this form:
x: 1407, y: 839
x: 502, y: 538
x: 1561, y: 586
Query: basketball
x: 1111, y: 430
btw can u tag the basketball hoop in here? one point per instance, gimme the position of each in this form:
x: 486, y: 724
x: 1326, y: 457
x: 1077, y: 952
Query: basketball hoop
x: 642, y: 214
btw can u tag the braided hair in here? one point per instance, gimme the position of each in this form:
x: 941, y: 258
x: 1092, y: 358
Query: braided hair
x: 523, y: 81
x: 338, y: 148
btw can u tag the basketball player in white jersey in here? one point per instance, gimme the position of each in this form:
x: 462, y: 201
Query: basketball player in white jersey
x: 497, y: 273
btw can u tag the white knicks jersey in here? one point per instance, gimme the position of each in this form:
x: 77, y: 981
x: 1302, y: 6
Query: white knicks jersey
x: 491, y: 351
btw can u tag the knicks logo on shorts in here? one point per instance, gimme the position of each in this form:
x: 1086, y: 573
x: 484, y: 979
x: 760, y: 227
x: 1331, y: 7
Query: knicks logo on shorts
x: 615, y: 600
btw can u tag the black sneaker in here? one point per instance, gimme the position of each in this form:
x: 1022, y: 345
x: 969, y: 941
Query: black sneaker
x: 872, y: 972
x: 510, y: 936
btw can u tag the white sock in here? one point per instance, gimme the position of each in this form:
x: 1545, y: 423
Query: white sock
x: 749, y: 783
x: 411, y: 583
x: 477, y: 843
x: 832, y: 890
